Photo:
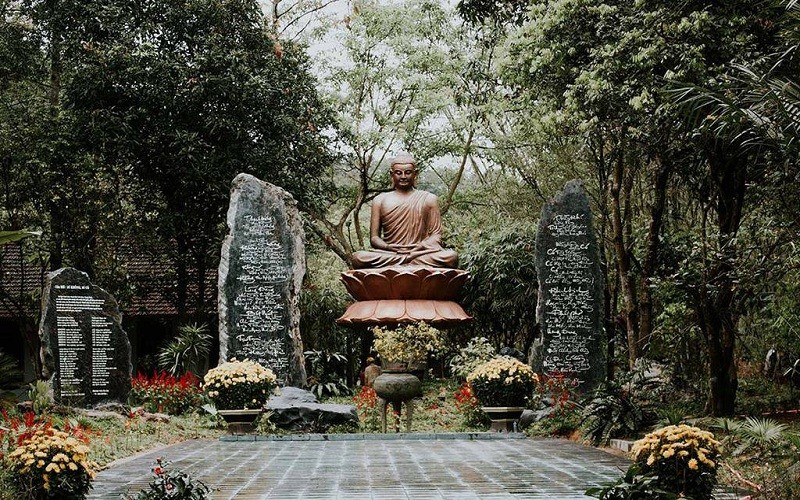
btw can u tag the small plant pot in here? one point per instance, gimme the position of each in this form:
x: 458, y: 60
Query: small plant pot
x: 503, y: 418
x: 240, y: 421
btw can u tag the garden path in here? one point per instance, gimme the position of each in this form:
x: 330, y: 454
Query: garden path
x: 377, y: 466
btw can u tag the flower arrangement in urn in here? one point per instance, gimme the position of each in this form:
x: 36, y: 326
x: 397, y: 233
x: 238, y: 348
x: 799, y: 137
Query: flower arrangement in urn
x: 683, y: 459
x: 503, y: 381
x: 407, y: 345
x: 238, y: 385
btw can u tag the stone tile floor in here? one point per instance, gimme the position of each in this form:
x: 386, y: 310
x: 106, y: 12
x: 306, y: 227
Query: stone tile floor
x: 457, y: 467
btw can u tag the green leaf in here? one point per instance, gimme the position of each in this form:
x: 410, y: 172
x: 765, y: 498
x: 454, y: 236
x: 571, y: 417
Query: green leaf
x: 7, y: 237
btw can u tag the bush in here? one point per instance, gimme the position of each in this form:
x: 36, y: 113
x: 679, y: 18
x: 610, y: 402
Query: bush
x: 503, y: 284
x: 610, y: 412
x: 683, y: 459
x: 40, y: 395
x: 503, y: 381
x: 164, y: 393
x: 188, y: 352
x: 10, y: 374
x: 557, y: 390
x: 47, y: 463
x: 632, y: 486
x: 476, y: 352
x: 323, y: 378
x: 407, y: 344
x: 237, y: 385
x: 175, y: 485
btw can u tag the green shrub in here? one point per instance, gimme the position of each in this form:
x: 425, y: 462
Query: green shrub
x: 40, y: 395
x: 474, y: 354
x: 610, y: 412
x: 324, y: 375
x: 188, y: 352
x: 9, y: 371
x: 633, y: 485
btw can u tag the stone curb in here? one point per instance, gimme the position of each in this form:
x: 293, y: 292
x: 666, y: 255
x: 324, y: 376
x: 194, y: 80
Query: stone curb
x: 621, y: 444
x: 436, y: 436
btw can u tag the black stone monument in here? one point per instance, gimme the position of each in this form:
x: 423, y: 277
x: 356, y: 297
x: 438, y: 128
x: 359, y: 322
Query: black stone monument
x: 85, y: 352
x: 260, y: 274
x: 570, y: 308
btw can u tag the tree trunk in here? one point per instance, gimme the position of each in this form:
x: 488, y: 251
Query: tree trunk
x: 651, y: 250
x: 720, y: 325
x: 618, y: 195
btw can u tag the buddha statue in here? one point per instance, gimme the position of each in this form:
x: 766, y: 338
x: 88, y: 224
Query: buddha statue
x: 407, y: 276
x: 405, y: 225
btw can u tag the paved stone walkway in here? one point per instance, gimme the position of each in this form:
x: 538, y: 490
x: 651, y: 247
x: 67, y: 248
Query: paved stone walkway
x: 369, y: 467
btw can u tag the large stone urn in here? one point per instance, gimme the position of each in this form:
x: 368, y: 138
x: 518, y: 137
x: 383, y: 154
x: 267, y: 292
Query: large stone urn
x: 396, y: 388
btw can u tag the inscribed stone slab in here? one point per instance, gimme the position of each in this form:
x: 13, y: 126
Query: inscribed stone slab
x: 260, y: 274
x: 570, y: 308
x: 85, y: 352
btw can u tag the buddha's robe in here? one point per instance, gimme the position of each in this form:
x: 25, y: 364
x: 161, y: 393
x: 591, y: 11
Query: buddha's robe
x: 408, y: 225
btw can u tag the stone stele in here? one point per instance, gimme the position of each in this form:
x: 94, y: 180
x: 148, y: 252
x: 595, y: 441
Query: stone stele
x: 570, y: 308
x: 260, y: 274
x: 85, y: 352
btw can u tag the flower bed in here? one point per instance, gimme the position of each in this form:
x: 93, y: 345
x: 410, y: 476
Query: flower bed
x: 46, y: 462
x: 164, y: 393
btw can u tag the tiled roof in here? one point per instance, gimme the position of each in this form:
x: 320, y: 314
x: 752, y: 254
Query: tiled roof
x: 151, y: 279
x: 18, y: 278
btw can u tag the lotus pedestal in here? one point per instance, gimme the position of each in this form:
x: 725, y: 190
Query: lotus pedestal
x: 404, y: 294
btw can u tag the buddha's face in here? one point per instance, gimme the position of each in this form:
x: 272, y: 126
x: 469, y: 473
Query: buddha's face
x: 404, y: 176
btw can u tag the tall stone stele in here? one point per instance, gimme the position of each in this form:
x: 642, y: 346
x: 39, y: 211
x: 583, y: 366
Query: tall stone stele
x: 85, y: 352
x: 260, y: 274
x: 570, y: 308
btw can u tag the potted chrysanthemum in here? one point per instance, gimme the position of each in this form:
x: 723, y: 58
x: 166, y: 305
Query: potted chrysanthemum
x: 406, y: 347
x: 239, y: 390
x: 682, y: 460
x: 503, y: 385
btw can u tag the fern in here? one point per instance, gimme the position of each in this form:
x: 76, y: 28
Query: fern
x: 187, y: 352
x: 9, y: 371
x: 610, y: 412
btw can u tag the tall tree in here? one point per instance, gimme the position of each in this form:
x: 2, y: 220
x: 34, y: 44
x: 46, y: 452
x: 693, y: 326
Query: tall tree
x: 399, y: 82
x: 596, y: 69
x: 153, y: 110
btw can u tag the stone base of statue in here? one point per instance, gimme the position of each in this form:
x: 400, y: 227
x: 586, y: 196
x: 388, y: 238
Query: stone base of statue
x: 404, y: 294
